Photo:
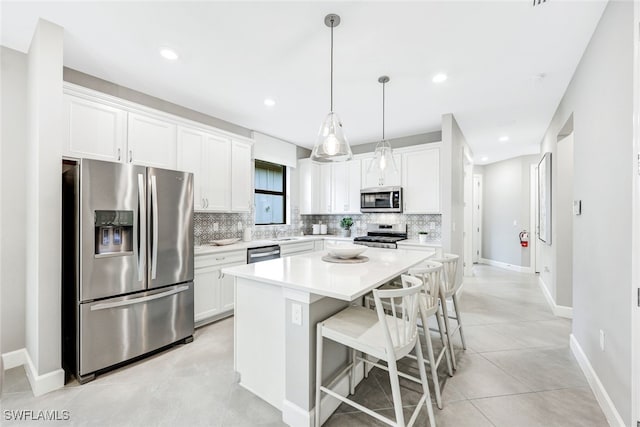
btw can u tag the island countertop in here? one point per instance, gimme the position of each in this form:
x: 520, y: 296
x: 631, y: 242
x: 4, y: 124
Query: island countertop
x: 309, y: 273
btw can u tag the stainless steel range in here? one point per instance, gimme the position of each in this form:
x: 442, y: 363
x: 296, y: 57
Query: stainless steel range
x: 382, y: 235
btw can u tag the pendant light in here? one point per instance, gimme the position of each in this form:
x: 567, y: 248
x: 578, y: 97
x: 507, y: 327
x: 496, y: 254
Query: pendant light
x: 383, y: 162
x: 331, y: 145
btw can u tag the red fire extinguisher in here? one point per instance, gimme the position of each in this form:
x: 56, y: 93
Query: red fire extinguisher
x: 524, y: 239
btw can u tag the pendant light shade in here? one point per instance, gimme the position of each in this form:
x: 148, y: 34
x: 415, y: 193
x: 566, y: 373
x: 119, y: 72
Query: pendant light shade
x: 384, y: 162
x: 331, y: 144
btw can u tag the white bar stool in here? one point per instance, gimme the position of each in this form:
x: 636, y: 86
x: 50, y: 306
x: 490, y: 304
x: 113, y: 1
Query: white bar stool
x: 429, y: 272
x: 448, y: 290
x: 384, y: 337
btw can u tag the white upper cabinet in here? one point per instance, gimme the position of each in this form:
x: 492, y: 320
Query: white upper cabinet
x: 208, y: 158
x: 421, y: 181
x: 94, y: 130
x: 325, y: 189
x: 241, y: 176
x: 151, y: 142
x: 329, y: 188
x: 345, y: 181
x: 217, y: 163
x: 371, y: 176
x: 191, y: 146
x: 308, y: 179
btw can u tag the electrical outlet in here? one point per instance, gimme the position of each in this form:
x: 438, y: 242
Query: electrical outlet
x: 601, y: 340
x: 296, y: 314
x: 515, y: 223
x: 239, y: 225
x: 215, y: 226
x: 432, y: 225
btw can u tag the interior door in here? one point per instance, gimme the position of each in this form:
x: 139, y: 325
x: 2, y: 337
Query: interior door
x: 170, y: 227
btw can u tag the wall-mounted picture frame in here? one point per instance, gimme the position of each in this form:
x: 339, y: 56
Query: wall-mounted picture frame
x: 544, y: 199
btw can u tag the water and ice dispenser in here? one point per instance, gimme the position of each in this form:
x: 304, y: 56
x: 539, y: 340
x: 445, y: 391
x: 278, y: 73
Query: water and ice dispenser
x: 113, y: 233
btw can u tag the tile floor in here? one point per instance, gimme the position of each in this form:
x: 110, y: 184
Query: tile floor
x: 518, y: 370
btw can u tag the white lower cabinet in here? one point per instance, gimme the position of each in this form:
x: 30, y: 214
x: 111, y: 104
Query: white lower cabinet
x: 296, y: 248
x: 214, y: 292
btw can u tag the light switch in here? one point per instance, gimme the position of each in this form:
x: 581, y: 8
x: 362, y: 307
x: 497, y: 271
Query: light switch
x: 577, y: 207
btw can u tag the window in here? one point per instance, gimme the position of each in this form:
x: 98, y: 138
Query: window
x: 270, y: 193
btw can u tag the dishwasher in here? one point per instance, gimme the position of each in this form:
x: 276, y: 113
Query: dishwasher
x: 263, y: 253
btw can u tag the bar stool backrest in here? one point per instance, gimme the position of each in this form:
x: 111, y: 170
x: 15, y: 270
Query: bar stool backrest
x: 400, y: 328
x: 429, y: 272
x: 450, y: 268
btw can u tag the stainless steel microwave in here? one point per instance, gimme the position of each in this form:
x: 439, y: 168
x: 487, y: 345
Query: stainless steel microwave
x: 381, y: 199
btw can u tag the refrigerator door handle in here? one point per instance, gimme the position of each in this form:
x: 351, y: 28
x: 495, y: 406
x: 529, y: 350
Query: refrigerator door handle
x: 142, y: 227
x: 154, y: 214
x: 133, y: 301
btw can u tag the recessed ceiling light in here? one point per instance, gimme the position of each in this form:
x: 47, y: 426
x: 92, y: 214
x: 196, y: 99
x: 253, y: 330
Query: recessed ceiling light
x: 484, y: 159
x: 504, y: 138
x: 269, y: 102
x: 439, y: 78
x: 169, y: 54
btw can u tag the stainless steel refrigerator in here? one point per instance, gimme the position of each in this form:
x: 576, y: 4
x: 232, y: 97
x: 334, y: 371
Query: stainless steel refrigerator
x: 127, y: 263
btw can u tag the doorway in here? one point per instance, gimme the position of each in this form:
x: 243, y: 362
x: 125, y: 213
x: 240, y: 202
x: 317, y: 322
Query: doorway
x: 534, y: 254
x: 564, y: 220
x: 477, y: 218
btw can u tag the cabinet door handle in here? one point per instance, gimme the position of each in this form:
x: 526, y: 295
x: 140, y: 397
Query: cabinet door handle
x: 130, y: 156
x: 118, y: 154
x: 220, y: 259
x: 207, y: 201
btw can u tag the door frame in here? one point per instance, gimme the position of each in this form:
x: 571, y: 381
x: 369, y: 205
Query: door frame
x: 468, y: 218
x: 635, y: 225
x: 533, y: 219
x: 477, y: 219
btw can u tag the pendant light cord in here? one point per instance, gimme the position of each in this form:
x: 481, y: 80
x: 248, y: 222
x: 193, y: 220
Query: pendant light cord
x: 331, y: 109
x: 383, y: 84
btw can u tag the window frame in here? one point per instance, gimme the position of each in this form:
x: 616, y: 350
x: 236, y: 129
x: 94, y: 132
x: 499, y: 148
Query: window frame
x: 282, y: 193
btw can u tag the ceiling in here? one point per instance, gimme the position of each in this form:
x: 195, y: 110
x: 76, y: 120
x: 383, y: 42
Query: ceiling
x: 508, y: 62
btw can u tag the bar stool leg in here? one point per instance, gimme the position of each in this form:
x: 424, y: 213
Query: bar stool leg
x: 444, y: 341
x: 459, y: 320
x: 445, y: 314
x: 432, y: 361
x: 425, y: 384
x: 395, y: 390
x: 352, y: 375
x: 318, y: 372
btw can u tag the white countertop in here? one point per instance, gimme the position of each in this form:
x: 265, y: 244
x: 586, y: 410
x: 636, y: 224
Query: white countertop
x: 308, y: 273
x: 212, y: 249
x: 416, y: 242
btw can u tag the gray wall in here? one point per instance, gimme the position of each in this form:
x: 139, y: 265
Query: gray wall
x: 400, y: 142
x: 506, y: 198
x: 600, y: 99
x: 12, y: 277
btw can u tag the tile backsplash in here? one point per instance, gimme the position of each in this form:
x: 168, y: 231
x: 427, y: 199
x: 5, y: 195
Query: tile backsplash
x: 415, y: 223
x: 231, y: 225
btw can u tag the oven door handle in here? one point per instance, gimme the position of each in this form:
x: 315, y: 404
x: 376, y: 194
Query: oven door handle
x: 262, y: 255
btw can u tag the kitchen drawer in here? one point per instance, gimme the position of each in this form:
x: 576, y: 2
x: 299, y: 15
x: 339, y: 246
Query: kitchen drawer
x: 296, y: 248
x: 221, y: 258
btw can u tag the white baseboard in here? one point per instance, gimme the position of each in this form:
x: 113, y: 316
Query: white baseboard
x: 14, y: 359
x: 606, y: 404
x: 506, y: 266
x: 40, y: 384
x: 295, y: 416
x: 558, y: 310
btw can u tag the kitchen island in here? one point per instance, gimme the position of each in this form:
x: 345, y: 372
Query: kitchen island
x: 277, y: 306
